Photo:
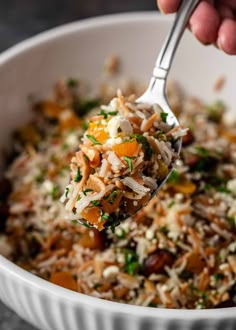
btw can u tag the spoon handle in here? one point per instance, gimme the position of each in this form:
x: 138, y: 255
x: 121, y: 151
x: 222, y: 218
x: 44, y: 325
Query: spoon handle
x: 168, y: 50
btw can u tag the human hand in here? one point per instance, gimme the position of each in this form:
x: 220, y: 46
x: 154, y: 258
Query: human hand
x: 213, y: 22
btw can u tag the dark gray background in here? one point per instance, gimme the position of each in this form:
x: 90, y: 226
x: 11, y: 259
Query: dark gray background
x: 20, y: 19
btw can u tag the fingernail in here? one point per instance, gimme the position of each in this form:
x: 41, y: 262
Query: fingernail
x: 219, y: 44
x: 159, y: 6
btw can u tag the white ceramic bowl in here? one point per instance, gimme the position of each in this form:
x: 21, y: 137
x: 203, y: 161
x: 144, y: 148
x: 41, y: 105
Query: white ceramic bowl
x: 80, y: 49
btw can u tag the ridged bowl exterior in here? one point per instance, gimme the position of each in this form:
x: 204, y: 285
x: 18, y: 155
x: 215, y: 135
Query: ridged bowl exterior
x: 49, y: 307
x: 33, y: 66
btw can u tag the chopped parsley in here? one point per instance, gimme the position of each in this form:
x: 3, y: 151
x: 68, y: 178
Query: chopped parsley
x: 223, y: 189
x: 55, y: 192
x: 86, y: 191
x: 218, y: 277
x: 132, y: 266
x: 201, y: 151
x: 164, y: 116
x: 163, y: 230
x: 75, y: 222
x: 145, y: 145
x: 65, y: 146
x: 86, y: 158
x: 106, y: 114
x: 215, y: 111
x: 120, y: 233
x: 104, y: 216
x: 128, y: 160
x: 67, y: 192
x: 232, y: 221
x: 40, y: 177
x: 172, y: 203
x: 93, y: 140
x: 72, y: 83
x: 82, y: 107
x: 111, y: 197
x: 95, y: 203
x: 174, y: 177
x: 78, y: 176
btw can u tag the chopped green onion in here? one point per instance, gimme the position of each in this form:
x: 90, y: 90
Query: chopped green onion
x: 86, y: 191
x: 67, y: 192
x: 86, y: 158
x: 174, y: 177
x: 72, y: 83
x: 78, y: 176
x: 95, y: 203
x: 129, y: 162
x: 164, y: 116
x: 145, y: 145
x: 93, y: 140
x: 201, y: 151
x: 106, y: 114
x: 55, y: 192
x: 218, y: 277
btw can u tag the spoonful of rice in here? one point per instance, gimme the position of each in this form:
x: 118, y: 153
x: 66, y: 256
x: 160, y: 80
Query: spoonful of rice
x: 129, y: 148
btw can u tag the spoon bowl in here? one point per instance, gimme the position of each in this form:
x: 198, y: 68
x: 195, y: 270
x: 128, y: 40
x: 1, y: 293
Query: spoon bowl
x: 146, y: 182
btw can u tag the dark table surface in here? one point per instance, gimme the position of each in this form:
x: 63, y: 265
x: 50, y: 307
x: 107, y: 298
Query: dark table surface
x: 20, y: 19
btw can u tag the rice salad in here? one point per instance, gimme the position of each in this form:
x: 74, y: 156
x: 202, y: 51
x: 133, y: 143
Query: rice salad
x: 125, y: 154
x: 177, y: 252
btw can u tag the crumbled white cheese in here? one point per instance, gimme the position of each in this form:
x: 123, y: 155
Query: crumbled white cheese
x: 119, y: 122
x: 72, y: 140
x: 149, y: 234
x: 231, y: 185
x: 110, y: 271
x: 47, y: 185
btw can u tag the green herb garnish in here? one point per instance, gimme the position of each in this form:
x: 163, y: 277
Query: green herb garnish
x: 164, y: 116
x: 86, y: 158
x: 95, y: 203
x: 93, y: 140
x: 55, y: 192
x: 86, y: 191
x: 172, y: 203
x: 163, y: 230
x: 72, y: 83
x: 215, y: 111
x: 145, y: 145
x: 174, y: 177
x: 106, y: 114
x: 75, y: 222
x: 120, y: 233
x: 128, y: 160
x: 65, y: 146
x: 111, y: 197
x: 201, y: 151
x: 67, y: 192
x: 231, y: 221
x: 78, y: 176
x: 132, y: 265
x: 104, y: 216
x: 218, y: 277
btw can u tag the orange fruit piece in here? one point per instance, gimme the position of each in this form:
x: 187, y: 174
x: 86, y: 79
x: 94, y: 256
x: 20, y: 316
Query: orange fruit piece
x: 64, y: 279
x: 110, y: 208
x: 127, y: 148
x: 50, y: 109
x: 92, y: 215
x: 185, y: 187
x: 98, y: 131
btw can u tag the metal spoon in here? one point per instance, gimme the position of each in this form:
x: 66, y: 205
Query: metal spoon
x: 156, y: 91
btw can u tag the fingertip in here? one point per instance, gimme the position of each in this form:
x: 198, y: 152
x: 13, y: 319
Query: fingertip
x: 168, y: 6
x: 204, y: 23
x: 227, y: 36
